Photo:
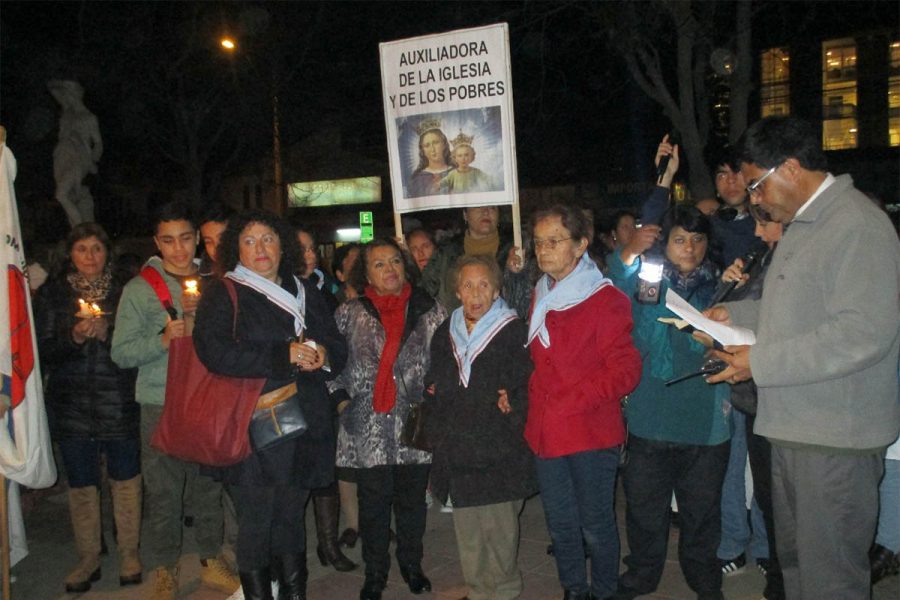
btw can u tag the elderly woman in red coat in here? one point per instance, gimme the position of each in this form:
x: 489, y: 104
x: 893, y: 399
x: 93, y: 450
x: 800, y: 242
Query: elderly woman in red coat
x: 584, y: 363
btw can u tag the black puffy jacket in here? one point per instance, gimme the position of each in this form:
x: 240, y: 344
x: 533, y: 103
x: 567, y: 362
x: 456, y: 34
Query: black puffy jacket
x: 88, y: 396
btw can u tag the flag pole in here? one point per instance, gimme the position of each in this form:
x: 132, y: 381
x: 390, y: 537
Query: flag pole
x: 4, y: 508
x: 4, y: 537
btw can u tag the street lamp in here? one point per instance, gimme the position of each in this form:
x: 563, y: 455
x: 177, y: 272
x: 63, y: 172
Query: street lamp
x: 229, y: 45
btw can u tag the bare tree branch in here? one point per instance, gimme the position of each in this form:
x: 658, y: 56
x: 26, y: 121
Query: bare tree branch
x: 741, y: 84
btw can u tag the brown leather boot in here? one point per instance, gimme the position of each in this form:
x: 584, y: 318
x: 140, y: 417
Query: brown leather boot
x: 327, y: 511
x: 84, y: 507
x: 127, y: 511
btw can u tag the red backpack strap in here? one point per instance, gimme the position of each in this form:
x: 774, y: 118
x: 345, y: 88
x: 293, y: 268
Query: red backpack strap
x: 232, y: 293
x: 155, y: 281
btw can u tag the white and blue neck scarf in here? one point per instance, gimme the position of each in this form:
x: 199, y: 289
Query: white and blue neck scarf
x: 277, y: 295
x: 572, y: 290
x: 320, y: 277
x: 468, y: 345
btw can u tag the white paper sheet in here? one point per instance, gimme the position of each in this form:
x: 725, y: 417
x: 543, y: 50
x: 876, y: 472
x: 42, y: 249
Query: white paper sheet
x: 727, y: 335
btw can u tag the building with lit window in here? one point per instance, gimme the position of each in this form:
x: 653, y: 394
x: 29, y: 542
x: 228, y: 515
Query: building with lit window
x: 846, y: 79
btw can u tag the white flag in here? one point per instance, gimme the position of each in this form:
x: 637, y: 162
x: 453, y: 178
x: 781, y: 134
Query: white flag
x: 26, y: 456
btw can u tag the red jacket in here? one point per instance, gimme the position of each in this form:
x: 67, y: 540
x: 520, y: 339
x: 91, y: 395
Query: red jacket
x: 578, y: 382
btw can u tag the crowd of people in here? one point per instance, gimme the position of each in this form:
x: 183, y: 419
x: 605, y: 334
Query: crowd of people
x: 546, y: 371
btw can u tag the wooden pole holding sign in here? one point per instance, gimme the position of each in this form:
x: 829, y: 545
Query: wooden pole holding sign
x: 517, y: 230
x: 398, y: 225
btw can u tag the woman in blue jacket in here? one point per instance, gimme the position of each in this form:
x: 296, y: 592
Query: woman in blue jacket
x: 679, y: 435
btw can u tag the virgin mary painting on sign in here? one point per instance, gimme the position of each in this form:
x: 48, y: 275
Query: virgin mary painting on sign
x: 437, y: 165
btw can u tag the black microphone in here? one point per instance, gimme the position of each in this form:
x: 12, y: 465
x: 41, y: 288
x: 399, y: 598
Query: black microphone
x: 712, y: 366
x: 664, y: 161
x: 661, y: 168
x: 726, y: 287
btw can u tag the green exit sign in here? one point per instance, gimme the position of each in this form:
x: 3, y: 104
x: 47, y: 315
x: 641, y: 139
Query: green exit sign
x: 366, y: 227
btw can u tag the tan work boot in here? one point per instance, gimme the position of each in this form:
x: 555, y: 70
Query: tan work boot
x: 127, y: 511
x: 165, y: 584
x: 215, y: 573
x: 84, y: 508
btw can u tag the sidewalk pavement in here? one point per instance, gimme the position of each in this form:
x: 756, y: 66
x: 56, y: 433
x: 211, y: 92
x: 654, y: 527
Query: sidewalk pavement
x: 52, y: 554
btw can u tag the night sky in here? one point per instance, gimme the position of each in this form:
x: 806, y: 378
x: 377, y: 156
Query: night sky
x: 579, y: 117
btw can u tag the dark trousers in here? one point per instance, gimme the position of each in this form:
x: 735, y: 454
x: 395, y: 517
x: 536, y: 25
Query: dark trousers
x: 381, y: 488
x: 167, y: 482
x: 695, y: 473
x: 82, y: 460
x: 270, y: 523
x: 826, y: 510
x: 759, y: 452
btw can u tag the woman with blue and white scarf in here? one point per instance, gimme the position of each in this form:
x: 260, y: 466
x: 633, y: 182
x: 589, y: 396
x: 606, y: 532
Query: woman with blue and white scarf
x: 261, y: 338
x: 584, y: 363
x: 480, y: 369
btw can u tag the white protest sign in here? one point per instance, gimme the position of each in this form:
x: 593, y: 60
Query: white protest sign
x: 448, y: 110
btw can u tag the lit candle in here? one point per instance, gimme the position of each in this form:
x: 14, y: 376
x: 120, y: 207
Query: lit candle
x: 96, y: 311
x: 190, y: 287
x: 84, y: 309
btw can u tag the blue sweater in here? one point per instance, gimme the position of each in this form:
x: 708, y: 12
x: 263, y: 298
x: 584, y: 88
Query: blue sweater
x: 690, y: 412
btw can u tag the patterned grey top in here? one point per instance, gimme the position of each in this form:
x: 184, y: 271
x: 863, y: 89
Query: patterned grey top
x: 367, y: 439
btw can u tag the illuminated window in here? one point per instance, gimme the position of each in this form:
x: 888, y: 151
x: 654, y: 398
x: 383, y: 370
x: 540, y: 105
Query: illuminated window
x: 774, y: 89
x: 894, y: 96
x: 839, y: 125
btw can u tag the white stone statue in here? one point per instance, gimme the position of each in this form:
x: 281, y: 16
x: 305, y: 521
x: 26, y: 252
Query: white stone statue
x: 77, y: 152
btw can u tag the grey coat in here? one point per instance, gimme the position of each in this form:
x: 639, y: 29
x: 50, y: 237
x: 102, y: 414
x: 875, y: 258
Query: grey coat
x: 828, y: 327
x: 365, y: 438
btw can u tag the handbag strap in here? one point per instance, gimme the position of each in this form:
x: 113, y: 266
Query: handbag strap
x: 155, y: 281
x: 232, y: 293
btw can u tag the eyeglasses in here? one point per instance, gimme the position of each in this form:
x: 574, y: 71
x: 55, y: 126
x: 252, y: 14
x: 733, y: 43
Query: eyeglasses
x: 550, y: 243
x: 754, y: 186
x: 760, y: 214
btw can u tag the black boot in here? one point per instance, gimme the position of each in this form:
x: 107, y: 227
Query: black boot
x: 415, y: 579
x: 257, y: 585
x: 327, y: 510
x: 774, y: 589
x: 373, y: 587
x: 883, y: 562
x: 348, y: 538
x: 292, y: 578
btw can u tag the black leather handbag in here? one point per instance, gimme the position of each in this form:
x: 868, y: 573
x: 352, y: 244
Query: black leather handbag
x: 277, y: 418
x: 413, y: 433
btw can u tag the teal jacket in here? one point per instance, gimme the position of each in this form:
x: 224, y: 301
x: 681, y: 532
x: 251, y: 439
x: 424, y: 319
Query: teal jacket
x: 136, y: 341
x: 690, y: 412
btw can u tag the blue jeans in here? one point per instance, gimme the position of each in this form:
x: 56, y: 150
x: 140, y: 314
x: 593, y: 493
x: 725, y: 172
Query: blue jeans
x: 889, y: 516
x: 578, y: 492
x: 82, y: 460
x: 737, y: 532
